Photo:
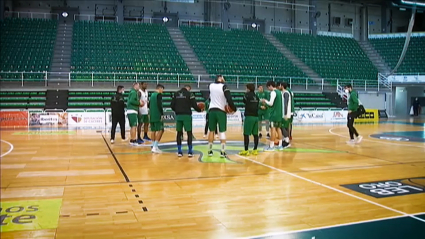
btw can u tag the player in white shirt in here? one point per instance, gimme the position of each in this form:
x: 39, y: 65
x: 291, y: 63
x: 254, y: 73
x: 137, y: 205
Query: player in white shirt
x: 143, y: 114
x: 220, y: 97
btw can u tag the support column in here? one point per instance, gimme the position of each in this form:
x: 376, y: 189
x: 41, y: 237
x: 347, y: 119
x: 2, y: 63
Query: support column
x: 313, y: 17
x: 385, y: 18
x: 364, y: 24
x: 225, y: 6
x: 120, y: 11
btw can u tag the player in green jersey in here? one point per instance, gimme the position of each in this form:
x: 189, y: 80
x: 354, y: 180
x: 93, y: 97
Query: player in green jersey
x: 156, y: 117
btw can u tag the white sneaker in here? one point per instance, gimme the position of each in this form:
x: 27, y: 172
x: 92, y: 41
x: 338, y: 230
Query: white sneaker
x: 351, y: 141
x: 156, y: 151
x: 112, y: 141
x: 124, y: 139
x: 359, y: 139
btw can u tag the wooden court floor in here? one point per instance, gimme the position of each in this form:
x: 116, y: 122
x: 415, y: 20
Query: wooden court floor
x: 64, y: 183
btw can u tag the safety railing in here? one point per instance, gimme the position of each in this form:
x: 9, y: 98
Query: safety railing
x: 43, y: 15
x: 94, y: 79
x: 290, y: 29
x: 184, y: 22
x: 89, y: 17
x: 253, y: 26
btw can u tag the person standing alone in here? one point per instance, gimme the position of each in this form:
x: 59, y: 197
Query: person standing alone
x: 353, y: 106
x: 118, y: 113
x: 181, y: 104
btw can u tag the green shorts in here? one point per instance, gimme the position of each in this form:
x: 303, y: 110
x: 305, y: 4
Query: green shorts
x: 250, y: 125
x: 276, y: 124
x: 157, y: 126
x: 183, y: 121
x: 217, y: 117
x: 286, y: 123
x: 143, y: 118
x: 132, y: 119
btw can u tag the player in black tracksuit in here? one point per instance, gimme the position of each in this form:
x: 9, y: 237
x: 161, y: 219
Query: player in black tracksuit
x: 118, y: 113
x: 182, y: 103
x: 250, y: 125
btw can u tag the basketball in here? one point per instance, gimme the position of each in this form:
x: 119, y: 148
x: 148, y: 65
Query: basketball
x: 228, y: 109
x: 201, y: 106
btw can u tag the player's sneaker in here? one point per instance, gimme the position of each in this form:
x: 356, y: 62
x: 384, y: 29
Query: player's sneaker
x: 279, y: 148
x: 244, y: 153
x: 210, y: 153
x: 223, y: 154
x: 124, y: 139
x: 180, y: 154
x: 140, y: 141
x: 359, y: 139
x: 112, y: 141
x: 268, y: 136
x: 269, y: 149
x: 351, y: 141
x: 133, y: 142
x: 190, y: 154
x: 254, y: 152
x: 260, y: 135
x: 156, y: 151
x: 146, y: 138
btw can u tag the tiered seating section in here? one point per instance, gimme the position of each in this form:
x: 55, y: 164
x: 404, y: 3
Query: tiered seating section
x: 101, y: 99
x: 126, y: 48
x: 330, y: 57
x: 26, y: 45
x: 390, y: 49
x: 22, y: 99
x: 238, y: 52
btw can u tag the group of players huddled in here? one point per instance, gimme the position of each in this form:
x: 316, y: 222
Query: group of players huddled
x: 274, y: 107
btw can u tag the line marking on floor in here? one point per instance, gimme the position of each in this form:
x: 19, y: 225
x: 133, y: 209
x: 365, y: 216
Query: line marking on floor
x: 10, y: 149
x: 331, y: 188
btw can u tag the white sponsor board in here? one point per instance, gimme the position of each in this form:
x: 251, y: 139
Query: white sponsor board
x: 49, y: 119
x: 320, y: 116
x: 86, y: 119
x: 109, y: 121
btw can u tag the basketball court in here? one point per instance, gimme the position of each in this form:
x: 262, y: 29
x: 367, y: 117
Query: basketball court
x: 63, y: 183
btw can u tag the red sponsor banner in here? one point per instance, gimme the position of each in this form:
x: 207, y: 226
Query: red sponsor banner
x: 13, y: 118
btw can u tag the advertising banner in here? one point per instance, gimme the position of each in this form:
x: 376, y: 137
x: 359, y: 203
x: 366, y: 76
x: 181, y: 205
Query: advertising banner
x: 336, y: 116
x: 310, y: 116
x: 109, y: 121
x: 48, y: 118
x: 13, y: 118
x: 86, y: 119
x: 198, y: 118
x: 369, y: 116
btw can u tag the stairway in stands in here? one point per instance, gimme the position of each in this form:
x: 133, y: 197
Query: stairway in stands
x: 61, y: 62
x: 195, y: 66
x: 57, y: 99
x: 294, y: 59
x: 375, y: 57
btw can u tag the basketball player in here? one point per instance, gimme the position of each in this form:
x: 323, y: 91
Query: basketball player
x: 291, y: 120
x: 353, y: 105
x: 156, y: 117
x: 182, y: 103
x: 276, y: 115
x: 220, y: 97
x: 133, y: 104
x: 207, y: 106
x: 250, y: 125
x: 143, y: 114
x: 118, y: 113
x: 263, y: 112
x: 287, y: 113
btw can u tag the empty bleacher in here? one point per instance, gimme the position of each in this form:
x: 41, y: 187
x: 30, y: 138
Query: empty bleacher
x: 110, y: 48
x: 312, y: 100
x: 26, y: 45
x: 390, y: 49
x: 330, y: 57
x: 239, y: 52
x: 22, y: 99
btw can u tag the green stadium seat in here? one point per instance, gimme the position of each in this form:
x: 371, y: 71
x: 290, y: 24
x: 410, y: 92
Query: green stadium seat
x: 390, y: 49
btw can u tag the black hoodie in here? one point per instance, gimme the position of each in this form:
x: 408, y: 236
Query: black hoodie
x: 183, y: 101
x: 118, y: 105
